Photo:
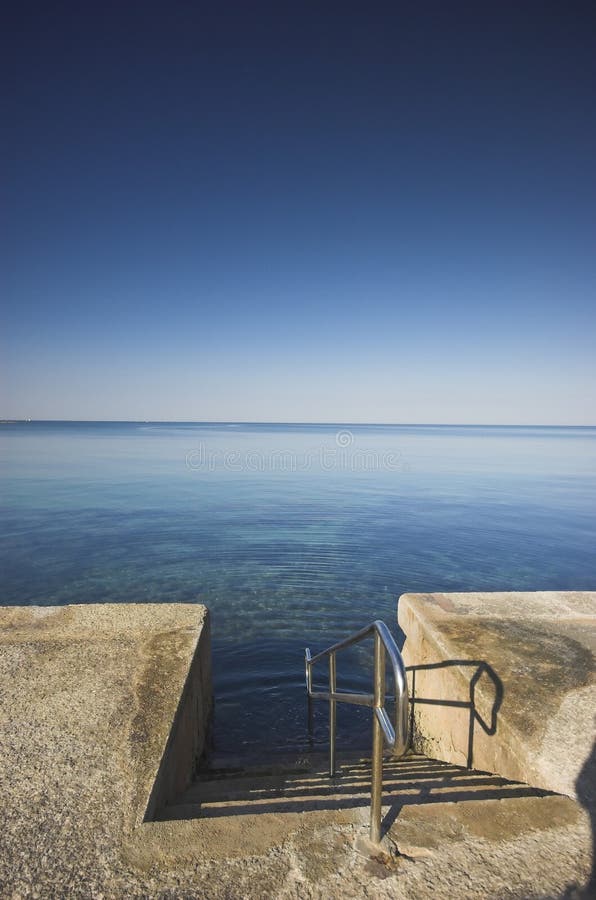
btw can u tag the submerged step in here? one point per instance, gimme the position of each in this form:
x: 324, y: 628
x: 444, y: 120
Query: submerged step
x: 229, y: 766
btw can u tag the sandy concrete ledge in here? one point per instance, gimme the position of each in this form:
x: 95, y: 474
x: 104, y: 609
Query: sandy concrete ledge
x: 103, y: 715
x: 505, y: 682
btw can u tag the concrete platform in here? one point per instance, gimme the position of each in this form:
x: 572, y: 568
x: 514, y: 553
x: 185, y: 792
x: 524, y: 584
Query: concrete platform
x: 506, y: 682
x: 102, y: 714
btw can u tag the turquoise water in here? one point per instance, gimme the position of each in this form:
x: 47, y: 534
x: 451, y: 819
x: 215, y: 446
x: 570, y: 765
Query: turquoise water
x: 292, y: 535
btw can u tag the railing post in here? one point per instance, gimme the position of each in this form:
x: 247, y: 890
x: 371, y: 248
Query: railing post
x: 308, y: 669
x: 396, y: 735
x: 376, y: 789
x: 332, y: 713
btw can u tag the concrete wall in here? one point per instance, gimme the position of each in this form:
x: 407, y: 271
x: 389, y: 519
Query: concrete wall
x: 505, y: 683
x: 104, y: 709
x: 190, y: 729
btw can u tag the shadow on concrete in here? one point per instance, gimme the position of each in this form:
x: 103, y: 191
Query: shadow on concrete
x: 586, y: 794
x: 412, y: 781
x: 479, y: 670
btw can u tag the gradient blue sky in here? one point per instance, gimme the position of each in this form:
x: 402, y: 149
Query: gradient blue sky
x: 376, y: 212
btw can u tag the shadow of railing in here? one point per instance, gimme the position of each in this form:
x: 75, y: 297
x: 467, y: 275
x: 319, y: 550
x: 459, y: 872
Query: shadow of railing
x: 408, y: 782
x: 481, y: 669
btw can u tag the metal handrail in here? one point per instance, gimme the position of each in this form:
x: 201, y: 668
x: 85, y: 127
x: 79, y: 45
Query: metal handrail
x: 395, y: 733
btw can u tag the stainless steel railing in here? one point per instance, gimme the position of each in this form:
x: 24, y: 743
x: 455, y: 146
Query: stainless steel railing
x: 395, y: 733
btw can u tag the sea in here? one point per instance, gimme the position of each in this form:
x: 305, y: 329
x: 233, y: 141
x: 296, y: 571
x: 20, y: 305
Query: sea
x: 292, y: 535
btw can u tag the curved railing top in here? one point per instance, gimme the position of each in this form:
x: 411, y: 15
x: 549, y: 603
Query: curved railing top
x: 396, y: 735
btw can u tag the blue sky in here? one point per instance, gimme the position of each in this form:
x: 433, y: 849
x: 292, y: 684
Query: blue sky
x: 300, y: 212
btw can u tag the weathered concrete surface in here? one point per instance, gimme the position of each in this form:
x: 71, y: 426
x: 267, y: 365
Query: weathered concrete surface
x: 103, y: 713
x: 522, y: 665
x: 88, y: 695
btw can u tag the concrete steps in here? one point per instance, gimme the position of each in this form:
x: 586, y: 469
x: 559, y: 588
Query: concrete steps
x: 282, y: 787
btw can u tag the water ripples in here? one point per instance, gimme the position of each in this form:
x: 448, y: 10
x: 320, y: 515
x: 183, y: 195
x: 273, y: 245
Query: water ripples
x: 113, y: 514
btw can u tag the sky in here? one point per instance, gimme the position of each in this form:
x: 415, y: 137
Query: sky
x: 296, y: 211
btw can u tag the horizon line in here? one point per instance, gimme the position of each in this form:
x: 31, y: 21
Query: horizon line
x: 17, y: 421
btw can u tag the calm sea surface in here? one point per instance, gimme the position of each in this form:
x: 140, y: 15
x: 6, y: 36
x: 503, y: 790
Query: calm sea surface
x: 292, y: 535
